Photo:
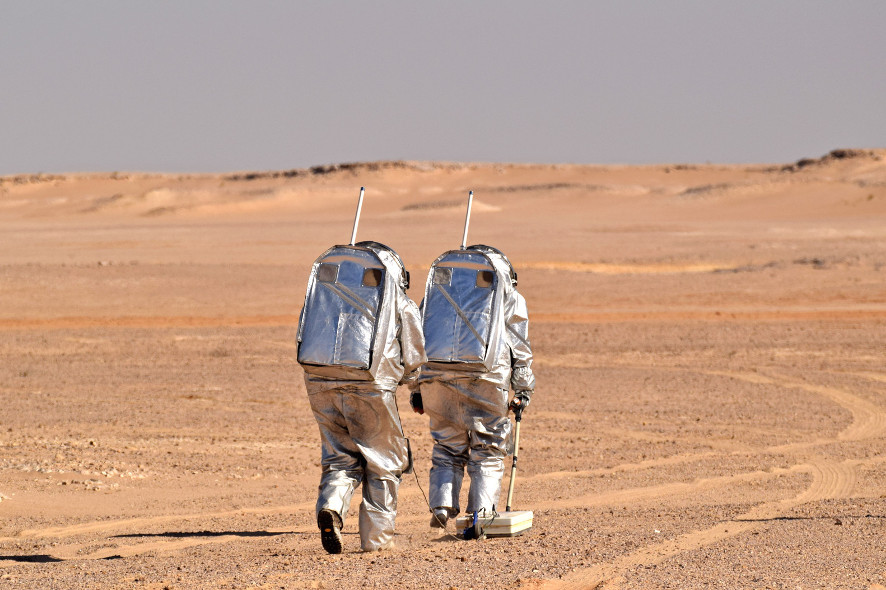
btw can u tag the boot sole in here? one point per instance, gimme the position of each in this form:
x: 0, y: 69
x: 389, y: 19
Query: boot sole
x: 330, y: 536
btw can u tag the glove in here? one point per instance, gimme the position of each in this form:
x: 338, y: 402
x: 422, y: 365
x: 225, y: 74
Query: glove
x: 416, y: 403
x: 519, y: 402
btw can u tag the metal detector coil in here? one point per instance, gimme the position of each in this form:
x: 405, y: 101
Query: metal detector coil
x: 499, y: 524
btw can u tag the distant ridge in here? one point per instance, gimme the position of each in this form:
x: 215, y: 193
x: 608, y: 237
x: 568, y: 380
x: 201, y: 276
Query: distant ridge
x: 346, y: 167
x: 835, y: 155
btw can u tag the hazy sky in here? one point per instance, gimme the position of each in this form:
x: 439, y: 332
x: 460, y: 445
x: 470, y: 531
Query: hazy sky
x: 209, y: 86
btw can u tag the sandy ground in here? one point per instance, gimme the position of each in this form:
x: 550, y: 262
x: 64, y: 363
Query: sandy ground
x: 710, y: 352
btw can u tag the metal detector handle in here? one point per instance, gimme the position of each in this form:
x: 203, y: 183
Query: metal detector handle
x: 357, y: 217
x: 464, y: 237
x: 518, y: 417
x: 518, y: 412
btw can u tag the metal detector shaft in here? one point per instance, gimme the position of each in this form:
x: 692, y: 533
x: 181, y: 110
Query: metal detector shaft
x: 357, y: 217
x: 518, y: 418
x: 464, y: 238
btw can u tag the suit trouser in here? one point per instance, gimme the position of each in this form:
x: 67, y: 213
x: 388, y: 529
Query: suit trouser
x: 471, y: 431
x: 362, y: 442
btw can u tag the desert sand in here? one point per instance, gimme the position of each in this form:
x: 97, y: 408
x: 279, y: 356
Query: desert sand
x: 710, y: 349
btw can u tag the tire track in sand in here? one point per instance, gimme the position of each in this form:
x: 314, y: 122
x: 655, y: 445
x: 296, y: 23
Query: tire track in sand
x: 175, y: 542
x: 541, y: 317
x: 830, y: 480
x: 881, y: 377
x: 868, y: 419
x: 104, y: 526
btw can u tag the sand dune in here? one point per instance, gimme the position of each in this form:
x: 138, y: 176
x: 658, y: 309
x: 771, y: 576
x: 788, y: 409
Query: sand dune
x: 709, y: 340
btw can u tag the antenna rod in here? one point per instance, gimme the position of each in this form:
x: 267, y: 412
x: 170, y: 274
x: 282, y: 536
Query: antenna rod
x: 464, y: 238
x: 357, y: 217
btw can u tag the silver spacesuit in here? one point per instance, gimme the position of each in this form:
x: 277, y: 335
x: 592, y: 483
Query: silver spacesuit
x: 359, y: 337
x: 476, y: 329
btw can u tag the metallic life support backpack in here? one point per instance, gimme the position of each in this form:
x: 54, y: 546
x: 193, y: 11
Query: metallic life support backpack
x: 463, y: 309
x: 349, y: 310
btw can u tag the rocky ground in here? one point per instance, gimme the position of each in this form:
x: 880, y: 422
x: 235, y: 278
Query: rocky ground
x: 709, y: 341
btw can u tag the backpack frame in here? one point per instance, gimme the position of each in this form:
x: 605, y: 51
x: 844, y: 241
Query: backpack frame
x: 338, y: 327
x: 463, y: 310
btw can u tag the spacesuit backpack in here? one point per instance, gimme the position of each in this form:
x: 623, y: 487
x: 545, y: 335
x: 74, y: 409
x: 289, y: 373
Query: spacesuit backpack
x: 350, y: 311
x: 464, y: 308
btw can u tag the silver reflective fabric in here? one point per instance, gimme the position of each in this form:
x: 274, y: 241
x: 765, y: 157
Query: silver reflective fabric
x: 359, y: 337
x: 462, y: 305
x: 470, y: 427
x: 362, y: 442
x: 350, y: 330
x: 465, y: 398
x: 340, y: 318
x: 500, y: 319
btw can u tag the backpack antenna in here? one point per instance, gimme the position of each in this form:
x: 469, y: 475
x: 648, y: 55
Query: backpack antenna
x: 357, y: 217
x: 464, y: 238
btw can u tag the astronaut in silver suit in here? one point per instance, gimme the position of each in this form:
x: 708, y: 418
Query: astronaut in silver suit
x: 359, y: 338
x: 467, y: 401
